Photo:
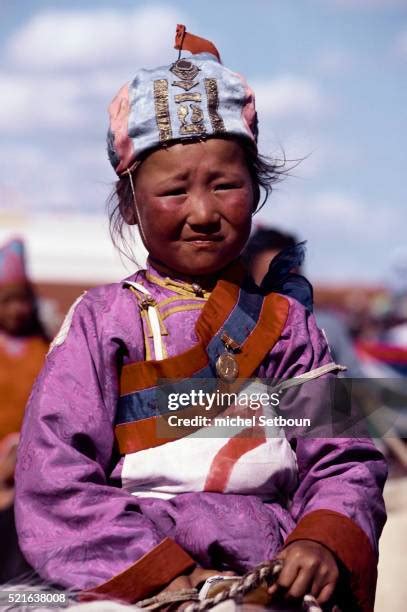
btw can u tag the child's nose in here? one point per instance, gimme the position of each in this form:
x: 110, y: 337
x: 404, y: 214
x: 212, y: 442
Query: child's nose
x: 203, y: 210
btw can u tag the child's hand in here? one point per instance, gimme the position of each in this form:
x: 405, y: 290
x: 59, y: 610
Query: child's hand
x: 308, y: 567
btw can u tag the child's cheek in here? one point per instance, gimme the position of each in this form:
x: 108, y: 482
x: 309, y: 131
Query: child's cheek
x: 162, y: 210
x: 164, y: 218
x: 167, y: 205
x: 238, y: 207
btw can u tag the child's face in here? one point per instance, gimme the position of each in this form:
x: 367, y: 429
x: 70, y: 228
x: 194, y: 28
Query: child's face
x: 16, y: 309
x: 195, y: 203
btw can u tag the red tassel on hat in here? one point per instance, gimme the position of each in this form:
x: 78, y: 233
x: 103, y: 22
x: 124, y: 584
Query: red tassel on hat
x: 194, y: 44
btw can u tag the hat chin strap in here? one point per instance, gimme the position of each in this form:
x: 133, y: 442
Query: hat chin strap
x: 142, y: 234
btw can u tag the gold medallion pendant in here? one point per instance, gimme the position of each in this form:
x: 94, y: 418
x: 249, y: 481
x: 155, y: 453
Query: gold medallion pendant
x: 226, y: 365
x: 227, y: 368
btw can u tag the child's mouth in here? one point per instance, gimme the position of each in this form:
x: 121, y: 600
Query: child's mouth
x: 202, y: 239
x: 204, y: 243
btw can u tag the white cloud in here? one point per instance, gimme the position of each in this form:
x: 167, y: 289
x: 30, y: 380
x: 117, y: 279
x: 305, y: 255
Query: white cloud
x: 87, y: 38
x: 334, y: 61
x: 348, y: 236
x: 366, y: 224
x: 337, y: 210
x: 331, y: 214
x: 288, y: 95
x: 35, y: 103
x: 67, y: 101
x: 38, y: 177
x: 61, y: 69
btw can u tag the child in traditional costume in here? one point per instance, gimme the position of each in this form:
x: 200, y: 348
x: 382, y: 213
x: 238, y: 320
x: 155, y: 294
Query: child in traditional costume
x: 23, y: 347
x: 105, y: 503
x: 23, y: 344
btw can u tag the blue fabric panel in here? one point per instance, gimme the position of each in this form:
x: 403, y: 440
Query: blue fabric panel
x: 152, y: 402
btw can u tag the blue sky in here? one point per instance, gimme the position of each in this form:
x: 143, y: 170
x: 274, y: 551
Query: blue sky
x: 330, y: 82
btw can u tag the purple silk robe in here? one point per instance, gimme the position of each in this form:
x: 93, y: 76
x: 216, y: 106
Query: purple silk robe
x: 78, y: 527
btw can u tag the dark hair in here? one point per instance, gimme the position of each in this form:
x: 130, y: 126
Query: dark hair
x: 268, y: 239
x: 264, y: 172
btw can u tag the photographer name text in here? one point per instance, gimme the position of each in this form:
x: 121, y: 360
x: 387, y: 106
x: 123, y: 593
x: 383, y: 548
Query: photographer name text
x: 175, y: 420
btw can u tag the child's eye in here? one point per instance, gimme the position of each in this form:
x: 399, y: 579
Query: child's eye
x: 225, y: 186
x: 174, y: 192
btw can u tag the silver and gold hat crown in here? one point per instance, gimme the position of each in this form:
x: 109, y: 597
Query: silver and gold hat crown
x: 195, y: 97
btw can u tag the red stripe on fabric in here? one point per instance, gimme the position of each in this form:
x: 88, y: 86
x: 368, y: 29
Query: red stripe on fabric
x: 227, y: 457
x: 145, y: 374
x: 383, y: 352
x: 139, y: 435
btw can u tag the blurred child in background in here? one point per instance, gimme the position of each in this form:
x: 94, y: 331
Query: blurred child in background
x: 23, y: 346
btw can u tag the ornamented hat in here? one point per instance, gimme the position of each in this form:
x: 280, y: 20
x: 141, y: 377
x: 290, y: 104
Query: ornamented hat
x: 196, y: 97
x: 12, y: 263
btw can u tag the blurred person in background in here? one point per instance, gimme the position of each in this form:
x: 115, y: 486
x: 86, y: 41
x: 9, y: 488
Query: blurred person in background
x: 385, y: 357
x: 23, y: 346
x: 384, y: 351
x: 265, y: 244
